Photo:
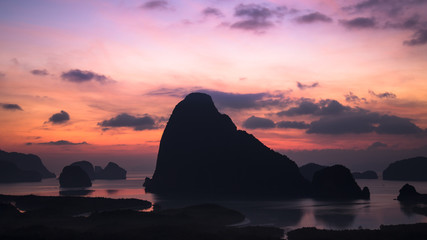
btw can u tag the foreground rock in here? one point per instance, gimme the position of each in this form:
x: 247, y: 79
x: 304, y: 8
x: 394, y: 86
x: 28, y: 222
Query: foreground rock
x: 412, y: 169
x: 26, y: 162
x: 74, y: 176
x: 111, y: 171
x: 309, y: 169
x: 10, y: 173
x: 365, y: 175
x: 202, y: 152
x: 87, y: 167
x: 336, y: 182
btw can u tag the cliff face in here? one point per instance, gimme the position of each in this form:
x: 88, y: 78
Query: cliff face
x: 26, y: 162
x: 202, y: 152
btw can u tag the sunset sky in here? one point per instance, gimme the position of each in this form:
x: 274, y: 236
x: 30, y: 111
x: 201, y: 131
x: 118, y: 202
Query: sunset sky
x: 320, y: 81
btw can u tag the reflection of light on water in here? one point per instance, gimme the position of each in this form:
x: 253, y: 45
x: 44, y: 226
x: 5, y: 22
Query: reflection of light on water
x: 20, y: 210
x: 147, y: 209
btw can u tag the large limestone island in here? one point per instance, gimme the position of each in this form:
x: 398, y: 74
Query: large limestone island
x: 202, y: 152
x: 411, y: 169
x: 20, y: 167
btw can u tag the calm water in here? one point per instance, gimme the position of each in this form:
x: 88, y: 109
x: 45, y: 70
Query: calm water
x: 287, y: 214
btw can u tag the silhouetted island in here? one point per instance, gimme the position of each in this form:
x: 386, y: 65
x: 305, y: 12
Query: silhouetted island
x: 411, y: 169
x: 26, y: 163
x: 336, y: 182
x: 365, y: 175
x: 87, y: 167
x: 111, y: 171
x: 408, y: 194
x: 202, y: 152
x: 74, y: 176
x: 10, y: 173
x: 309, y: 169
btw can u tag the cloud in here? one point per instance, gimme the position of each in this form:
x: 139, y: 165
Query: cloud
x: 60, y: 143
x: 383, y: 95
x: 256, y: 17
x: 377, y: 145
x: 59, y: 118
x: 39, y: 72
x: 126, y: 120
x: 323, y: 107
x: 11, y: 106
x: 258, y: 123
x: 350, y: 97
x: 313, y: 17
x: 359, y: 23
x: 2, y: 75
x: 363, y: 121
x: 292, y: 124
x: 418, y: 38
x: 231, y: 100
x: 305, y: 86
x: 156, y: 4
x: 81, y: 76
x: 210, y: 11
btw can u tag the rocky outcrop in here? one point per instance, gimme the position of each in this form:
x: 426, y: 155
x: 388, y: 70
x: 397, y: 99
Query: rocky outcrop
x: 412, y: 169
x: 336, y: 182
x: 74, y: 176
x: 365, y: 175
x: 26, y: 162
x: 309, y: 169
x: 408, y: 194
x: 10, y: 173
x: 87, y: 167
x: 111, y: 171
x: 202, y: 152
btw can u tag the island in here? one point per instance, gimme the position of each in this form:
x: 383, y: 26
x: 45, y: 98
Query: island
x: 411, y: 169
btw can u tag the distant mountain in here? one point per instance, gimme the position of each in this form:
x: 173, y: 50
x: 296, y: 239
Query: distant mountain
x: 309, y: 169
x: 26, y: 162
x: 336, y: 182
x: 412, y: 169
x: 10, y: 173
x: 111, y: 171
x: 365, y: 175
x: 202, y: 152
x: 87, y: 167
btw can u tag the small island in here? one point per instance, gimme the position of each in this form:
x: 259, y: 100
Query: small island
x: 411, y: 169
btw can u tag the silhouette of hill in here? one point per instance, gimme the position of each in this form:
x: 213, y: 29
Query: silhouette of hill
x: 408, y: 194
x: 202, y: 152
x: 412, y: 169
x: 26, y: 162
x: 365, y: 175
x: 111, y: 171
x: 336, y: 182
x: 309, y: 169
x: 9, y: 173
x: 74, y: 176
x: 87, y: 167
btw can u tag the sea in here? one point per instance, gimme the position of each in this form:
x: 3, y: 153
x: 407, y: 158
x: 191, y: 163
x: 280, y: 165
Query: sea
x: 288, y: 214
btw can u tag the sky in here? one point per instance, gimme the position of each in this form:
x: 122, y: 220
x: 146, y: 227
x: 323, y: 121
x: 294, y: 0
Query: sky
x: 331, y: 82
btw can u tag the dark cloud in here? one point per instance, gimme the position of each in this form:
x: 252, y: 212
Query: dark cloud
x: 305, y: 86
x: 383, y: 95
x: 418, y: 38
x: 59, y: 118
x: 323, y: 107
x: 258, y: 123
x: 2, y: 75
x: 350, y: 97
x: 61, y: 143
x: 126, y: 120
x: 231, y: 100
x: 210, y: 11
x: 314, y: 17
x: 39, y: 72
x: 304, y: 108
x: 11, y: 106
x: 359, y: 23
x: 256, y: 17
x: 377, y: 145
x: 292, y: 124
x: 363, y: 122
x: 156, y: 4
x: 81, y: 76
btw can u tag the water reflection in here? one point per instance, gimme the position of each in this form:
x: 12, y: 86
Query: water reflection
x: 76, y: 192
x: 335, y: 218
x: 112, y: 191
